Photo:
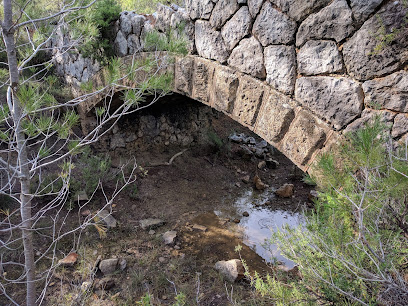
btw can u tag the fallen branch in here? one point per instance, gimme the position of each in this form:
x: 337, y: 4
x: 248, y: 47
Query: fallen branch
x: 170, y: 161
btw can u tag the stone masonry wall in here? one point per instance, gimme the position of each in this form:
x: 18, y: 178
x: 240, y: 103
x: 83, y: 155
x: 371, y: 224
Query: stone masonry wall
x: 319, y: 67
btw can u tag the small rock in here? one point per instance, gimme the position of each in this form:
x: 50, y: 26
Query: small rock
x: 271, y: 163
x: 261, y: 165
x: 81, y: 196
x: 237, y: 184
x: 164, y: 297
x: 150, y: 223
x: 237, y: 220
x: 69, y: 260
x: 313, y: 195
x: 108, y: 266
x: 152, y: 232
x: 106, y: 283
x: 200, y: 228
x: 245, y: 214
x: 169, y: 237
x: 177, y: 247
x: 162, y: 259
x: 85, y: 213
x: 246, y: 179
x: 285, y: 191
x: 232, y: 270
x: 85, y: 286
x: 107, y: 218
x: 259, y: 185
x: 122, y: 264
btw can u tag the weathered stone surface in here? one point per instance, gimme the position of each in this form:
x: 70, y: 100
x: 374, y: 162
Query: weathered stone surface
x: 363, y: 8
x: 209, y: 43
x: 108, y: 266
x: 134, y: 44
x: 232, y: 270
x: 199, y: 228
x: 126, y: 22
x: 137, y: 24
x: 169, y: 237
x: 222, y: 11
x: 183, y: 72
x: 120, y: 44
x: 306, y: 134
x: 390, y: 92
x: 163, y: 19
x: 150, y: 223
x: 334, y: 21
x: 275, y: 117
x: 338, y: 100
x: 249, y: 99
x: 400, y: 125
x: 199, y: 9
x: 107, y: 218
x: 319, y: 56
x: 225, y: 84
x: 273, y: 27
x: 299, y: 9
x: 202, y: 77
x: 364, y: 55
x: 254, y: 7
x: 236, y: 28
x: 280, y: 64
x: 367, y: 116
x: 248, y: 57
x: 181, y: 21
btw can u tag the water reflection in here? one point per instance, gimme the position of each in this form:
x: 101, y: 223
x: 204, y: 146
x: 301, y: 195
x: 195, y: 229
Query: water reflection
x: 262, y: 219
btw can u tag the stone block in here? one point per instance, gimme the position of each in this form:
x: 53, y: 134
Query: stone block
x: 400, y: 125
x: 202, y: 79
x: 249, y: 99
x: 199, y: 9
x: 183, y: 75
x: 224, y: 88
x: 280, y: 64
x: 390, y: 92
x: 366, y: 56
x: 299, y: 9
x: 306, y: 134
x: 209, y: 42
x: 223, y: 10
x: 363, y: 8
x: 334, y: 21
x: 248, y: 58
x: 367, y: 116
x: 236, y: 28
x: 254, y: 7
x: 275, y: 116
x: 319, y: 56
x: 338, y: 100
x: 273, y: 27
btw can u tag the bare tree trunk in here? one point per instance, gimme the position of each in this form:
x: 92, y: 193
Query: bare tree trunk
x: 25, y: 198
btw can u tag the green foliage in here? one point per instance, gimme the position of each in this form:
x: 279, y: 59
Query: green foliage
x: 171, y: 42
x: 354, y: 246
x: 143, y: 6
x: 145, y: 300
x: 95, y: 169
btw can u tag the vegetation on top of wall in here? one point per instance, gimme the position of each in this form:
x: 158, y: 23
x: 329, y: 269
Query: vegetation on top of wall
x: 143, y: 6
x: 354, y: 248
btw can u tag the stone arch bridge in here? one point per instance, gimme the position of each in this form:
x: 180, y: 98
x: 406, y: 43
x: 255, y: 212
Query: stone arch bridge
x: 297, y: 73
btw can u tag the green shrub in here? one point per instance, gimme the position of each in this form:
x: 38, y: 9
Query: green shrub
x: 354, y: 248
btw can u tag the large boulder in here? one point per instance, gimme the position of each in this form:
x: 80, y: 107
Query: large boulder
x: 280, y: 64
x: 390, y: 92
x: 299, y: 9
x: 236, y: 28
x: 338, y: 100
x: 222, y: 11
x: 319, y: 56
x: 121, y: 45
x: 273, y: 27
x: 380, y: 46
x: 163, y: 19
x: 209, y: 43
x: 334, y: 21
x: 248, y: 57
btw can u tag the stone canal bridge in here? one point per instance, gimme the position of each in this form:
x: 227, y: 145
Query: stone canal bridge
x: 298, y: 73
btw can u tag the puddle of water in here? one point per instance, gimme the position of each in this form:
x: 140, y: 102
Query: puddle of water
x: 262, y: 220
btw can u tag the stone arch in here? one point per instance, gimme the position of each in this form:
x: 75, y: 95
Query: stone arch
x: 280, y: 120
